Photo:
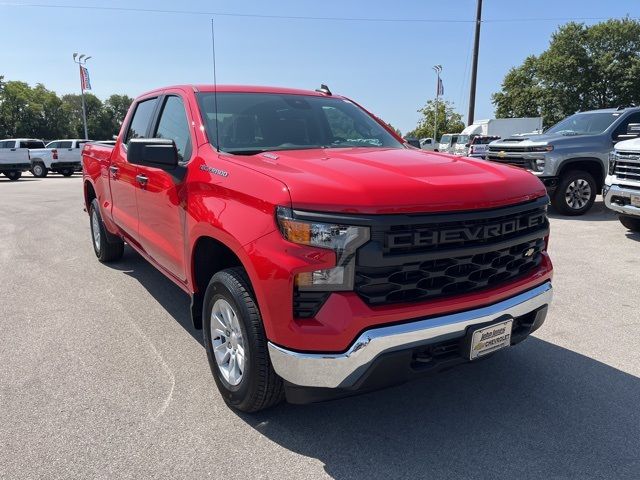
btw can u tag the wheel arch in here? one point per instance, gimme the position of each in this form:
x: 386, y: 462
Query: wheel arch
x: 210, y: 255
x: 592, y: 165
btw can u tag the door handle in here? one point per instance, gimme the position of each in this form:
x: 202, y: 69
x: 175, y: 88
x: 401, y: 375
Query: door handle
x: 142, y: 179
x: 114, y: 171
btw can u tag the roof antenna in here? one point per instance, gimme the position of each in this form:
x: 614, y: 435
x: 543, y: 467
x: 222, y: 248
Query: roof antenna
x: 215, y: 84
x: 324, y: 89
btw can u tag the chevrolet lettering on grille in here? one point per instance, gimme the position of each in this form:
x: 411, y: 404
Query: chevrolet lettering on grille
x: 425, y: 237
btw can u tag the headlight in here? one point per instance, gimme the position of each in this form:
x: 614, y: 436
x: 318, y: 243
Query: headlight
x: 612, y: 162
x: 344, y: 240
x: 538, y: 164
x: 541, y: 148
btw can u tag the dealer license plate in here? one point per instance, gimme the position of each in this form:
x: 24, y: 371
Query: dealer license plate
x: 489, y: 339
x: 635, y: 200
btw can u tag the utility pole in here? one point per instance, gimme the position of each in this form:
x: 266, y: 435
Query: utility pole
x: 81, y: 61
x: 474, y: 67
x: 437, y: 69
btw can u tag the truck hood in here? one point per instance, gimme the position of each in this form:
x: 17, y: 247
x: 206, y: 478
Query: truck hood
x: 539, y: 139
x: 384, y: 180
x: 632, y: 145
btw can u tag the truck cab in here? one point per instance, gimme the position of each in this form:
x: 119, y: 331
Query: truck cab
x: 571, y: 157
x: 14, y: 157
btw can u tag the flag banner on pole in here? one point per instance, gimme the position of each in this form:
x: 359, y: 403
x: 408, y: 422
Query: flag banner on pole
x: 440, y: 87
x: 84, y: 78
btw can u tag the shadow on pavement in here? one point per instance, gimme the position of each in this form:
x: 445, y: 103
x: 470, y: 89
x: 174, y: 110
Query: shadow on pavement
x: 598, y: 213
x: 535, y: 411
x: 163, y: 290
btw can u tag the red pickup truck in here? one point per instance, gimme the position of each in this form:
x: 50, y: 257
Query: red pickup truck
x: 323, y: 255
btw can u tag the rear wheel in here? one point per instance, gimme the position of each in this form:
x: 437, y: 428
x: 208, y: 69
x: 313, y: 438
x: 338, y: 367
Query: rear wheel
x: 13, y: 176
x: 631, y: 223
x: 106, y: 249
x: 236, y: 344
x: 67, y: 172
x: 575, y: 193
x: 39, y: 170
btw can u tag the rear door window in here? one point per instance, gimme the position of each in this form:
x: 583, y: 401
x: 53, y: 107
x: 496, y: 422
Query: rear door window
x: 141, y: 119
x: 33, y: 144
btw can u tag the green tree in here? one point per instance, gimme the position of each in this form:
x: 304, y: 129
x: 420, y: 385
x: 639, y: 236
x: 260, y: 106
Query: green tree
x: 584, y: 68
x: 95, y: 118
x: 448, y: 120
x: 114, y: 110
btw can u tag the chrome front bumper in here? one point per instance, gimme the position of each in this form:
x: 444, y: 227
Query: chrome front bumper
x: 342, y: 370
x: 621, y: 191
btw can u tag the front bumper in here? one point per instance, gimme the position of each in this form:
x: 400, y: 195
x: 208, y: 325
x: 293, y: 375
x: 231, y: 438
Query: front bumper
x: 617, y: 198
x: 345, y: 370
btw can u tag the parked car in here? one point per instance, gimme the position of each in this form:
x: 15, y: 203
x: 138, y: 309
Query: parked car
x: 622, y: 185
x: 477, y: 146
x: 66, y: 160
x: 428, y: 144
x: 14, y: 158
x: 323, y: 256
x: 571, y: 157
x: 448, y: 142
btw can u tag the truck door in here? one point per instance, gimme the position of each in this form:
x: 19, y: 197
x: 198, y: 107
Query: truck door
x: 66, y: 153
x: 161, y: 197
x: 122, y: 174
x: 9, y: 153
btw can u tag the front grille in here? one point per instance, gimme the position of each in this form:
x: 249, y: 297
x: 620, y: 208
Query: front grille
x: 448, y: 254
x: 515, y: 161
x: 507, y: 149
x: 627, y: 166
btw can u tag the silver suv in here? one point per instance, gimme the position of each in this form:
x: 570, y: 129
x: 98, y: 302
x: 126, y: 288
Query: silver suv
x: 571, y: 157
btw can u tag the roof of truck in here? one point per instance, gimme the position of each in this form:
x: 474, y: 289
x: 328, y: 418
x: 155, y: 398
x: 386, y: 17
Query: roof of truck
x: 243, y: 89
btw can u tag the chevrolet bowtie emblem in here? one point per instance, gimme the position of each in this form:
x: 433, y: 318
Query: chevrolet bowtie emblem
x: 502, y: 154
x: 529, y: 252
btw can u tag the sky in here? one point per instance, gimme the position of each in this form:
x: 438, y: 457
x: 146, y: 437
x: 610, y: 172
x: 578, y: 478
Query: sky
x: 384, y: 65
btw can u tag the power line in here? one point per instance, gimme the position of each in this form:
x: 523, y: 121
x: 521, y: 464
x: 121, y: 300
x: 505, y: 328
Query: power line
x: 295, y: 17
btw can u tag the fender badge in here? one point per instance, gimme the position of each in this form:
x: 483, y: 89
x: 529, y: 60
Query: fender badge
x: 215, y: 171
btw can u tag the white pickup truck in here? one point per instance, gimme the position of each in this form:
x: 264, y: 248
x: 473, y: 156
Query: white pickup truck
x: 15, y: 157
x: 622, y: 185
x: 65, y: 160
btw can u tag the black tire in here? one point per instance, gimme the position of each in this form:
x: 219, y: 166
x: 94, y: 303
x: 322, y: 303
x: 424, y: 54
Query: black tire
x: 575, y: 194
x: 631, y: 223
x: 106, y: 247
x: 13, y: 176
x: 67, y: 172
x: 39, y: 170
x: 259, y: 386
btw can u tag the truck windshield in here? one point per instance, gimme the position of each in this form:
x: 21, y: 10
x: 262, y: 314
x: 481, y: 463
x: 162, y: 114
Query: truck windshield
x: 445, y: 139
x: 250, y: 123
x: 584, y: 124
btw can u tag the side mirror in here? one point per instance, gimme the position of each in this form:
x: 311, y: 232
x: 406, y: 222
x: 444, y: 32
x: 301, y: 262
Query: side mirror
x: 467, y: 145
x: 153, y: 152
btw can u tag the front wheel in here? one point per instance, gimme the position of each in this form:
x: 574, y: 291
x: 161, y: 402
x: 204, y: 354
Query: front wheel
x: 236, y: 344
x: 13, y: 176
x: 106, y: 250
x: 575, y: 193
x: 631, y: 223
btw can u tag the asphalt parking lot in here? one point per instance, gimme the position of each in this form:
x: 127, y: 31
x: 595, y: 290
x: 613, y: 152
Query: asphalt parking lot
x: 102, y: 375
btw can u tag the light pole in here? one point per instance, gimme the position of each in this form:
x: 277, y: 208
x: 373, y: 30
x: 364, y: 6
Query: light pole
x: 81, y: 61
x: 437, y: 69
